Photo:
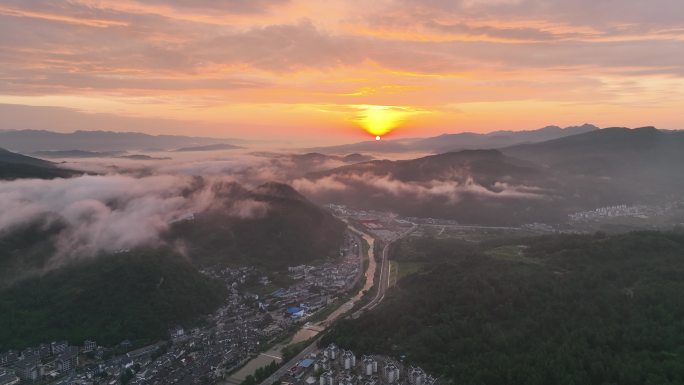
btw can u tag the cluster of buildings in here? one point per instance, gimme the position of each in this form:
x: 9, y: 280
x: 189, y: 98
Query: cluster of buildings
x: 315, y: 287
x: 643, y: 211
x: 228, y: 338
x: 638, y: 211
x: 382, y: 225
x: 45, y: 361
x: 335, y: 366
x: 201, y: 355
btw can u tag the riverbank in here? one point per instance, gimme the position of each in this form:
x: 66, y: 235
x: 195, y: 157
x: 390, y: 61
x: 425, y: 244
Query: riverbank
x: 310, y: 330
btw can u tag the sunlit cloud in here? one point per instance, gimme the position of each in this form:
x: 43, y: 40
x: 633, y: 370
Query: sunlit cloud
x: 301, y: 69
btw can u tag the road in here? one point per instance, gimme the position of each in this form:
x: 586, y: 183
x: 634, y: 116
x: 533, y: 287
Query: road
x: 383, y: 284
x: 282, y: 370
x: 319, y: 327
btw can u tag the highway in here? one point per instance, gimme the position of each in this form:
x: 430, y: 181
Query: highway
x: 383, y: 282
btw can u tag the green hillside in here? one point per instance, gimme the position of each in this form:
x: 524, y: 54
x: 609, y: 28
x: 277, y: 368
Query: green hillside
x: 291, y: 231
x: 135, y: 296
x: 556, y: 310
x: 17, y: 166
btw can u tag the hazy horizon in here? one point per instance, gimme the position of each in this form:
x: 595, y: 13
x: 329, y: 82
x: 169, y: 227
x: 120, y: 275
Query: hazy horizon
x: 339, y: 71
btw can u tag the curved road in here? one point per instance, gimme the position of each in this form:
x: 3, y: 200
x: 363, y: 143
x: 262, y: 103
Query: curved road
x: 379, y: 296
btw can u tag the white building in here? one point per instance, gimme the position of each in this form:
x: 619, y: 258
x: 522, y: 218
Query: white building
x: 327, y: 378
x: 331, y: 352
x: 391, y: 372
x: 322, y: 364
x: 417, y: 376
x: 369, y: 366
x: 348, y: 360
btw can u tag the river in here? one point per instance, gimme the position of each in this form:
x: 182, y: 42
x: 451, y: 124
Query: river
x: 309, y: 330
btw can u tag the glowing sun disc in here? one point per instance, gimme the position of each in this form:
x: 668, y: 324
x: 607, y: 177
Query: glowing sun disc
x: 381, y: 120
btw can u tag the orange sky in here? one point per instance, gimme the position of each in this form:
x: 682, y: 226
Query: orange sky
x: 322, y: 71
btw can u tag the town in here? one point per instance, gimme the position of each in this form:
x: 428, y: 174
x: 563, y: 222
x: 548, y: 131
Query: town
x: 333, y: 365
x: 252, y: 317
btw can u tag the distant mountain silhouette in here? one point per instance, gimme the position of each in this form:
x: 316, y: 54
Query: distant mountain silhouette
x: 461, y: 141
x: 470, y: 163
x: 609, y: 151
x: 497, y: 139
x: 78, y: 154
x: 29, y: 141
x: 18, y: 166
x: 357, y: 158
x: 474, y: 186
x: 614, y: 141
x: 541, y: 181
x: 209, y: 147
x: 7, y: 156
x: 143, y: 157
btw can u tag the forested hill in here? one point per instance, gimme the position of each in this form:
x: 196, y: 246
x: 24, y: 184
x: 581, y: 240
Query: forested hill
x: 137, y: 295
x: 291, y: 231
x: 17, y: 166
x: 553, y: 310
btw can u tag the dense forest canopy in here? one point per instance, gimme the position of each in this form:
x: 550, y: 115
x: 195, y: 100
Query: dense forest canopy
x: 136, y: 296
x: 571, y: 309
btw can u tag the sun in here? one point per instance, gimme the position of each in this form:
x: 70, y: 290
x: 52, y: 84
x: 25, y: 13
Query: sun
x: 381, y: 120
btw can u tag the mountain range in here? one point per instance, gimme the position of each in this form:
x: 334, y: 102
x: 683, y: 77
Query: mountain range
x: 30, y: 141
x: 209, y: 147
x: 460, y: 141
x: 17, y: 166
x: 543, y: 181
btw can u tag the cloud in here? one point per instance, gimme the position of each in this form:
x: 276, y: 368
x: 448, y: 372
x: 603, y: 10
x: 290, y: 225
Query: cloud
x: 19, y: 117
x: 247, y: 208
x: 450, y: 189
x: 320, y: 185
x: 108, y: 213
x: 597, y: 13
x: 231, y: 6
x: 226, y: 62
x: 133, y: 203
